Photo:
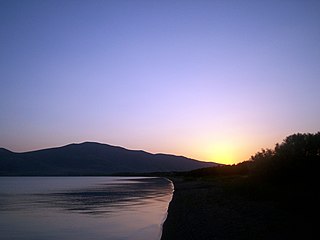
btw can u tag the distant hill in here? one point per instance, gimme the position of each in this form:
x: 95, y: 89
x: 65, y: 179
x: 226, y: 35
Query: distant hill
x: 91, y: 158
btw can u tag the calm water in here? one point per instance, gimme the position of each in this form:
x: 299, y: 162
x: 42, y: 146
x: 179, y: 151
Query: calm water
x: 83, y: 207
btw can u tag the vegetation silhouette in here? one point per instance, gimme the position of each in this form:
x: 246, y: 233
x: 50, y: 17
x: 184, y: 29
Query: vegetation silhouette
x: 288, y: 173
x: 297, y: 158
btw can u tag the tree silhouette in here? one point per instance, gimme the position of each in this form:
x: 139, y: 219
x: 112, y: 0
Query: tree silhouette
x: 297, y: 156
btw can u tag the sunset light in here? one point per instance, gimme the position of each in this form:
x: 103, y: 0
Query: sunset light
x: 223, y: 153
x: 210, y: 80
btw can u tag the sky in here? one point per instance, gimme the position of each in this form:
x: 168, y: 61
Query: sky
x: 211, y: 80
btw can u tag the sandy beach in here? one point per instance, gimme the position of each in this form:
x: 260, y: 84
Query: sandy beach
x: 213, y: 209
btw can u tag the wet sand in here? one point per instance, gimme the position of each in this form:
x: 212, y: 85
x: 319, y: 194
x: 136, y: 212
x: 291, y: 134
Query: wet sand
x: 211, y: 209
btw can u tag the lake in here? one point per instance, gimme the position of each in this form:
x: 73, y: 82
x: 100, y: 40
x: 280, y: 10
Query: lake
x: 116, y: 208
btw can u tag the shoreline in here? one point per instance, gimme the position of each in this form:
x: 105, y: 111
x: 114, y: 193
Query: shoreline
x: 166, y: 216
x: 211, y: 209
x: 176, y: 226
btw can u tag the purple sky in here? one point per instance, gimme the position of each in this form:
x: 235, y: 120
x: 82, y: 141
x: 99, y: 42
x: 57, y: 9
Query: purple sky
x: 212, y: 80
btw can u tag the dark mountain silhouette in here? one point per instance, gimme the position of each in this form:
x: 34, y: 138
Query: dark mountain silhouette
x: 92, y: 159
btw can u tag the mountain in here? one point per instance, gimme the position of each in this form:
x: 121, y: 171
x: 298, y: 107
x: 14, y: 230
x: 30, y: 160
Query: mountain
x: 91, y: 158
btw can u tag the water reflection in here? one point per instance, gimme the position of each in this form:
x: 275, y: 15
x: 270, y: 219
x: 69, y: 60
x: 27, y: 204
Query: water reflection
x: 83, y: 208
x: 107, y: 197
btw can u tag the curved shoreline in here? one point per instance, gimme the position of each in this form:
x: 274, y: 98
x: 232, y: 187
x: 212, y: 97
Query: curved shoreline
x: 165, y: 217
x: 176, y: 225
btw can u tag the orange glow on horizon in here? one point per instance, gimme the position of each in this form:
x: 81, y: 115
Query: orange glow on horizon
x: 222, y: 153
x: 225, y: 151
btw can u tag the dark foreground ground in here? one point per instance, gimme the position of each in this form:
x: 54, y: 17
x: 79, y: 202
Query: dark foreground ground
x: 234, y: 208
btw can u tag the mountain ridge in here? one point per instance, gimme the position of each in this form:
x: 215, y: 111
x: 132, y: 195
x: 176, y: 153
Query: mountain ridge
x: 91, y: 158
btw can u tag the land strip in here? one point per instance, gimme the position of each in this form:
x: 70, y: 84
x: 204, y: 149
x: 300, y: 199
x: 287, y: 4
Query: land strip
x: 229, y: 208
